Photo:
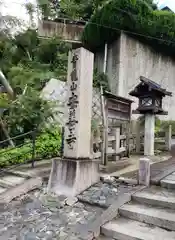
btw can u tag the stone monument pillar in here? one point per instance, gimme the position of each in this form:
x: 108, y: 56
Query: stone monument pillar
x: 149, y: 134
x: 76, y: 171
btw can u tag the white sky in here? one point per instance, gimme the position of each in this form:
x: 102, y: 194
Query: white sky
x: 169, y: 3
x: 16, y: 7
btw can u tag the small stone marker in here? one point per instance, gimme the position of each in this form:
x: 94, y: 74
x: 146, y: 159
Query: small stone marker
x: 172, y: 151
x: 144, y: 171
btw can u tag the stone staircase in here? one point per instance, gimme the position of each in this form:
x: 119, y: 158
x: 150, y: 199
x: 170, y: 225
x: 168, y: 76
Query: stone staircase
x: 149, y: 216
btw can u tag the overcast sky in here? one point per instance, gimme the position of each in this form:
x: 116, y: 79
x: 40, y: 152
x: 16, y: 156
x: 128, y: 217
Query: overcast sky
x: 170, y: 3
x: 16, y: 7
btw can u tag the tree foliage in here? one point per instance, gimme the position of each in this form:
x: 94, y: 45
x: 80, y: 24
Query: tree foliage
x: 28, y: 62
x: 138, y: 19
x: 73, y: 9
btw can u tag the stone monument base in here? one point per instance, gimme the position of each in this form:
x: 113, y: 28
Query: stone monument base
x: 70, y: 177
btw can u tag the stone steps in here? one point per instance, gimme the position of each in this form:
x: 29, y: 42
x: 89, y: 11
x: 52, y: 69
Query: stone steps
x: 158, y: 216
x: 127, y: 229
x: 156, y: 196
x: 149, y: 216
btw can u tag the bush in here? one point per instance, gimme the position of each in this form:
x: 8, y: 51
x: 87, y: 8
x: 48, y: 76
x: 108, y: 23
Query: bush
x: 133, y: 16
x: 47, y: 146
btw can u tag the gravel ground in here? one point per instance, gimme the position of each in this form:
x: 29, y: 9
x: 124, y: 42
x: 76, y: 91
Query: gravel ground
x: 41, y: 216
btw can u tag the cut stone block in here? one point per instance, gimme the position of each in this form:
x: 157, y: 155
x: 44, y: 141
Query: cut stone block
x: 126, y: 229
x: 71, y: 177
x: 161, y: 217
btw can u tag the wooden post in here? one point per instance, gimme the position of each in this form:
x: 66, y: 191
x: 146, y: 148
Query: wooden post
x: 116, y: 143
x: 106, y: 143
x: 128, y: 140
x: 168, y: 136
x: 138, y: 145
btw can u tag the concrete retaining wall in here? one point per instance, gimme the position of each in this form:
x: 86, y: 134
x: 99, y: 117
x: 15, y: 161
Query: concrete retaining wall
x: 128, y: 59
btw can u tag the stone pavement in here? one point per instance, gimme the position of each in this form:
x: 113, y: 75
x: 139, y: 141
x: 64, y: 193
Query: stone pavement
x: 168, y: 181
x: 162, y: 169
x: 134, y: 165
x: 40, y: 216
x: 41, y: 169
x: 159, y: 170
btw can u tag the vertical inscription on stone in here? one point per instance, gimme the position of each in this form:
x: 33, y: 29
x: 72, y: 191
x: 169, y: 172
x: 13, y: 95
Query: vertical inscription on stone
x: 72, y: 105
x: 78, y: 108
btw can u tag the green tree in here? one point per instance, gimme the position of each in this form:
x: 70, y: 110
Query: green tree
x: 27, y: 112
x: 28, y: 62
x: 138, y: 19
x: 74, y: 9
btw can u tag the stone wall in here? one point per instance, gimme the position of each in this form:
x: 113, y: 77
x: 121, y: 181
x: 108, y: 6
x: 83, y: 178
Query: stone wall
x: 70, y: 32
x: 128, y: 59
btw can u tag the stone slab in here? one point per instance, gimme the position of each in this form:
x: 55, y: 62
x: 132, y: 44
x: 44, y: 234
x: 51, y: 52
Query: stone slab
x: 104, y: 238
x: 161, y: 170
x: 126, y: 229
x: 19, y: 190
x: 161, y: 217
x: 92, y: 229
x: 10, y: 181
x: 29, y: 172
x: 156, y: 196
x: 170, y: 177
x: 104, y: 194
x: 169, y: 184
x: 2, y: 189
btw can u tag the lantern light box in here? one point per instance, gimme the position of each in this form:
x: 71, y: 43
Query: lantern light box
x: 150, y: 95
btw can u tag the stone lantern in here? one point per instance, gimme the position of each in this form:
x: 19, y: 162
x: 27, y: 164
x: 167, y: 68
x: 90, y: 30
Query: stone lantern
x: 150, y: 95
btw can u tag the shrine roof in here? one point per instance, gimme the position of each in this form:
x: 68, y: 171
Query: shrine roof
x: 109, y: 95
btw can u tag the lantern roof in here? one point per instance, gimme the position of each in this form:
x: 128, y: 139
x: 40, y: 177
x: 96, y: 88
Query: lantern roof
x: 151, y: 86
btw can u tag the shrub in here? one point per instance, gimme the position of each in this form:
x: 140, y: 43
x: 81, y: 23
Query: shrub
x: 47, y: 146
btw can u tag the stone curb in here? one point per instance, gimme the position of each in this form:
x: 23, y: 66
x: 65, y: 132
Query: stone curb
x: 127, y: 180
